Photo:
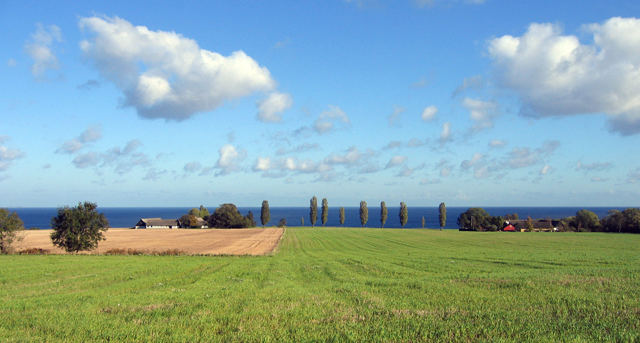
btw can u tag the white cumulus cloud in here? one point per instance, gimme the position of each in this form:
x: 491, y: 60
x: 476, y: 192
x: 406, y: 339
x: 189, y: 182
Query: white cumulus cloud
x: 229, y: 159
x: 429, y: 113
x: 166, y: 75
x: 271, y: 108
x: 555, y: 74
x: 262, y: 164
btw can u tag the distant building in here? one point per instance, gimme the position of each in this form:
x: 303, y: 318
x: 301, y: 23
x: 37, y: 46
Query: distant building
x: 157, y: 223
x: 538, y: 224
x: 509, y: 228
x: 201, y: 224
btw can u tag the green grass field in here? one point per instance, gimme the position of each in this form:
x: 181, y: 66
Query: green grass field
x: 338, y: 285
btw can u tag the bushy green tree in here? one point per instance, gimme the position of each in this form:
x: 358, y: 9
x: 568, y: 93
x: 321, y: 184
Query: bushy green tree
x: 364, y: 213
x: 204, y: 212
x: 313, y: 210
x: 529, y: 224
x: 383, y: 213
x: 325, y: 211
x: 228, y: 216
x: 512, y: 216
x: 78, y: 228
x: 265, y: 213
x: 613, y: 222
x: 587, y: 220
x: 282, y: 222
x: 631, y: 220
x: 10, y: 225
x: 188, y: 221
x: 201, y: 212
x: 404, y: 214
x: 474, y: 218
x: 627, y: 220
x: 251, y: 221
x: 341, y: 216
x: 442, y: 215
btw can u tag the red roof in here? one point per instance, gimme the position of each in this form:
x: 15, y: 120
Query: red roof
x: 509, y: 228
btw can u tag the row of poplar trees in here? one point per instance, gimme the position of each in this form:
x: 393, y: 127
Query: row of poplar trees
x: 265, y: 215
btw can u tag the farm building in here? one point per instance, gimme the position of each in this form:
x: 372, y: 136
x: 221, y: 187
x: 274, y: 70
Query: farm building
x: 538, y: 224
x: 156, y: 223
x: 200, y: 223
x: 509, y: 228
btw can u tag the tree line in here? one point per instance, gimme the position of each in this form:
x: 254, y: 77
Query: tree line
x: 364, y: 213
x: 628, y: 220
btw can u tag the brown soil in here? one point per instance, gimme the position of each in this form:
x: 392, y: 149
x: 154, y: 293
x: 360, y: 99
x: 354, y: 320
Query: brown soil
x: 196, y: 241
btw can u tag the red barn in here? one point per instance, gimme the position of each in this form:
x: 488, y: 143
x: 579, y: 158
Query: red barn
x: 509, y: 228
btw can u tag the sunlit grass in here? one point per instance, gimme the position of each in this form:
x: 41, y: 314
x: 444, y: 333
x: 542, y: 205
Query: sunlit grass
x: 338, y: 284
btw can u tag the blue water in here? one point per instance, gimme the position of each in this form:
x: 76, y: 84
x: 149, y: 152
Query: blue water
x: 129, y: 216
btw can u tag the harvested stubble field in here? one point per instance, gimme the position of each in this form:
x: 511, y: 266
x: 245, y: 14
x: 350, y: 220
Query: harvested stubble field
x: 184, y: 241
x: 338, y: 284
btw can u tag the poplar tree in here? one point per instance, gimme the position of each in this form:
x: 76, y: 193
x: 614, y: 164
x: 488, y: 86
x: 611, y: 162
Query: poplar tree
x: 442, y: 215
x: 383, y: 213
x: 423, y: 222
x: 364, y: 213
x: 265, y: 213
x: 325, y: 211
x: 341, y: 215
x: 313, y: 210
x: 301, y: 221
x: 404, y: 214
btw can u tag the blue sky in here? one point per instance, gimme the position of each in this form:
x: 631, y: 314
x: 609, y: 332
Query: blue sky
x: 470, y: 102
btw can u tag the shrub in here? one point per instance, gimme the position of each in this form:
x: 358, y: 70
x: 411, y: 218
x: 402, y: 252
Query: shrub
x: 33, y: 251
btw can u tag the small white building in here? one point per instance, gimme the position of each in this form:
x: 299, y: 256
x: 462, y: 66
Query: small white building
x: 157, y: 223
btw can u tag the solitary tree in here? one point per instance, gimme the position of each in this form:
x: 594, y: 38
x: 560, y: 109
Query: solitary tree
x: 341, y: 215
x: 301, y: 221
x: 313, y: 210
x: 282, y: 222
x: 364, y: 213
x: 265, y: 214
x: 404, y: 214
x: 383, y: 213
x: 10, y: 224
x: 78, y: 228
x: 325, y: 211
x: 424, y: 221
x: 442, y: 215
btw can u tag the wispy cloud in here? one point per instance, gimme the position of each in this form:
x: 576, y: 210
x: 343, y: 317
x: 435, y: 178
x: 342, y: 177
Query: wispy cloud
x: 90, y: 135
x: 327, y: 119
x: 40, y: 48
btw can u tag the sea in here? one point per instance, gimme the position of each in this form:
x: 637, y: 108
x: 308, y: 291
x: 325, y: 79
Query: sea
x: 40, y: 217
